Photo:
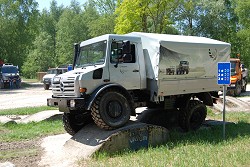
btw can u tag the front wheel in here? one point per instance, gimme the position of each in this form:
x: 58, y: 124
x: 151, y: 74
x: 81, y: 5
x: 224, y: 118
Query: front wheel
x: 193, y: 117
x: 111, y: 110
x: 72, y: 123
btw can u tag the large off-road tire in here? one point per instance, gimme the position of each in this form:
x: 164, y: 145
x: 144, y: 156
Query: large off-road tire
x: 244, y: 85
x: 237, y: 90
x: 111, y: 110
x: 72, y: 123
x: 192, y: 117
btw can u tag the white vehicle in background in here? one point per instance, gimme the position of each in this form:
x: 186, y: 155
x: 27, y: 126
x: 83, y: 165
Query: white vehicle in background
x: 114, y: 74
x: 51, y: 73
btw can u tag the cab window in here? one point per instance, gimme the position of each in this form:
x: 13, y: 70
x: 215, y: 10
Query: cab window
x: 116, y: 53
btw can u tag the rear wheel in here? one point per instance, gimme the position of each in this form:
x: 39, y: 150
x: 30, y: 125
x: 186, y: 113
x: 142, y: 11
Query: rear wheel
x: 237, y: 90
x: 192, y: 117
x: 72, y: 123
x: 111, y: 110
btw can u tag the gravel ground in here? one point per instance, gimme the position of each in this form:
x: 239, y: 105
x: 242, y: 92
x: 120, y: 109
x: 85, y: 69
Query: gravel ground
x: 31, y: 96
x: 24, y: 153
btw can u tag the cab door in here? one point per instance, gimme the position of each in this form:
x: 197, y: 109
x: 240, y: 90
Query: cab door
x: 124, y: 72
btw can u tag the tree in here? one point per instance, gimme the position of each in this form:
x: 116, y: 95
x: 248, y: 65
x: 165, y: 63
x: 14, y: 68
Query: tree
x: 144, y: 15
x: 243, y: 12
x: 17, y: 28
x: 41, y: 57
x: 186, y: 16
x: 72, y: 28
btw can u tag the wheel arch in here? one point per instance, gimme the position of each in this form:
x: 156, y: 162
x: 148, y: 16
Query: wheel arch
x: 102, y: 88
x: 205, y: 97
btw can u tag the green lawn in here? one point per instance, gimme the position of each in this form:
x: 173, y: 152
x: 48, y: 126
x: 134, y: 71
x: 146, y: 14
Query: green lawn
x: 204, y: 147
x: 17, y: 132
x: 25, y: 110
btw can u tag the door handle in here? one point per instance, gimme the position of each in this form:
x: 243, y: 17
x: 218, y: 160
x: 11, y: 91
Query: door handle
x: 135, y: 70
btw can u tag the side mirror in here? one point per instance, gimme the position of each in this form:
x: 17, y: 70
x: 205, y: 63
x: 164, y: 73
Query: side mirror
x: 126, y: 47
x: 76, y: 53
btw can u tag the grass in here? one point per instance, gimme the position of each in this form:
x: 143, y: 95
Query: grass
x: 18, y: 132
x: 204, y: 147
x: 25, y: 110
x: 9, y: 154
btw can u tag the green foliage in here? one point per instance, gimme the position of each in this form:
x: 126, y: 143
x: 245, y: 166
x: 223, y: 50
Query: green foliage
x: 243, y: 12
x: 17, y: 132
x: 71, y: 29
x: 23, y: 28
x: 145, y: 16
x: 18, y: 29
x: 41, y: 57
x: 25, y: 110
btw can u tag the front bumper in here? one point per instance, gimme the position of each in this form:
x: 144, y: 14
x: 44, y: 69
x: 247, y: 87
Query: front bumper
x: 231, y: 86
x: 66, y: 104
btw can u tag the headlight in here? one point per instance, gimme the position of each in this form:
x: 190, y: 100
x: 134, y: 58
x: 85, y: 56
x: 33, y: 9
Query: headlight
x: 72, y: 103
x: 56, y: 80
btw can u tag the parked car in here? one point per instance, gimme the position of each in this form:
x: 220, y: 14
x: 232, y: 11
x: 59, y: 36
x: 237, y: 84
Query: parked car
x: 51, y: 73
x: 9, y: 76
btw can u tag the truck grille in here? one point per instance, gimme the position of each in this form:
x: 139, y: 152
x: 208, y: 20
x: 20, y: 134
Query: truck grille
x: 65, y: 88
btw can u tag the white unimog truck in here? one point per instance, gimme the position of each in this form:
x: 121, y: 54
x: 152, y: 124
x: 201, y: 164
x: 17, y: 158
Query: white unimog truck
x: 114, y: 74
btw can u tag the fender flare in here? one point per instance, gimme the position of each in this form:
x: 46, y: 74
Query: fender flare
x: 101, y: 88
x: 205, y: 97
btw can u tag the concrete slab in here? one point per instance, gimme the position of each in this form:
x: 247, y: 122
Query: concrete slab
x: 61, y: 150
x: 40, y: 116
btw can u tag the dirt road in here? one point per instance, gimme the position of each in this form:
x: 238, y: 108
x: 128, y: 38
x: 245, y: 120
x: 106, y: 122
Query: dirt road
x: 31, y: 96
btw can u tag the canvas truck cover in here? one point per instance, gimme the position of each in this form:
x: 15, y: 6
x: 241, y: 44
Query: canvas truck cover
x: 182, y: 64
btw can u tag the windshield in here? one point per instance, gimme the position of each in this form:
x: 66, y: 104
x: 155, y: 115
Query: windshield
x: 56, y: 71
x: 52, y: 71
x: 92, y: 54
x: 233, y: 66
x: 9, y: 69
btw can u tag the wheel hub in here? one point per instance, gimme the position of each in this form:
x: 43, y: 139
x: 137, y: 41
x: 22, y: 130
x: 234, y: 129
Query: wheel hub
x: 114, y: 109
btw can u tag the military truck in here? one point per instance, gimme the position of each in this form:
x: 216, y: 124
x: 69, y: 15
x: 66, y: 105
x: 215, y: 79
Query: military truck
x: 9, y: 76
x: 182, y: 68
x: 115, y: 74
